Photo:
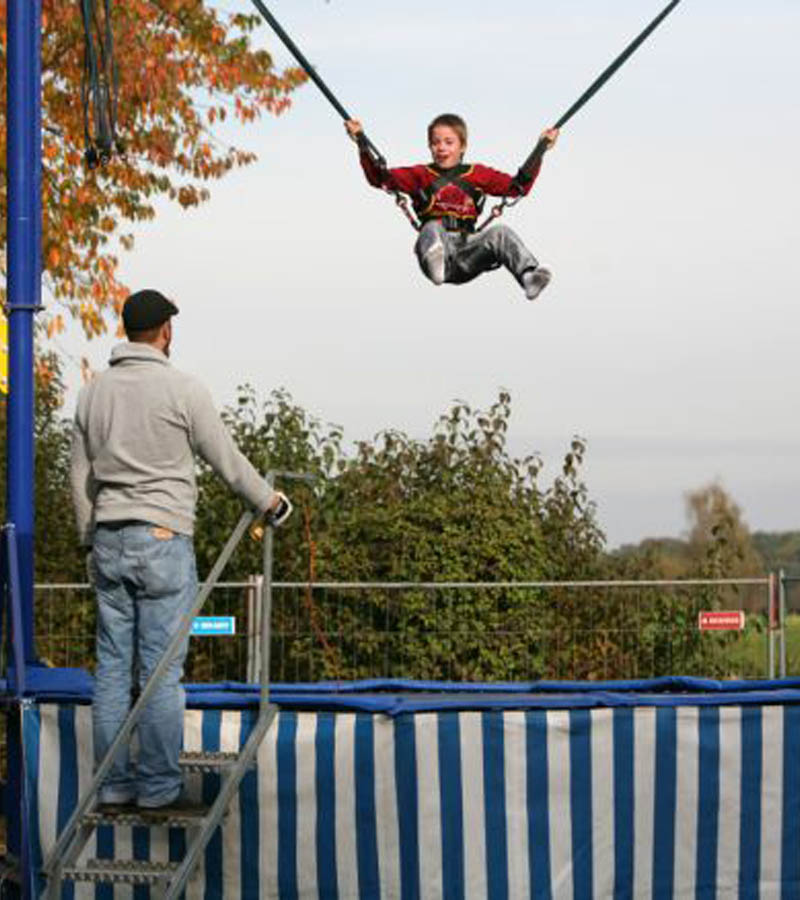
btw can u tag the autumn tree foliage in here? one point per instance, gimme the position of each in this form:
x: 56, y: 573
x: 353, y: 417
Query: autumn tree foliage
x: 184, y: 67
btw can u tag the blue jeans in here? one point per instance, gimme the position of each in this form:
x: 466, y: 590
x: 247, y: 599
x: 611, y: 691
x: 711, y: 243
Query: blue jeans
x: 469, y: 255
x: 146, y: 581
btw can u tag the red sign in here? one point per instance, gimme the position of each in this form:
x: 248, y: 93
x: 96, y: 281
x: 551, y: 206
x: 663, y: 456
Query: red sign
x: 721, y: 620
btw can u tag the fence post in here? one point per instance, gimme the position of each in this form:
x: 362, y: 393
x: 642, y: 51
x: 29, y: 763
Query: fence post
x: 248, y: 592
x: 782, y: 614
x: 772, y: 619
x: 255, y: 592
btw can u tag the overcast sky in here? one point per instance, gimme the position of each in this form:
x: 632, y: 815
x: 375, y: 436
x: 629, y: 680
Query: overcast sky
x: 668, y: 213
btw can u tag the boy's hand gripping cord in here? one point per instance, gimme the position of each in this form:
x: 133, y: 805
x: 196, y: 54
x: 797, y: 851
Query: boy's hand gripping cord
x: 535, y: 157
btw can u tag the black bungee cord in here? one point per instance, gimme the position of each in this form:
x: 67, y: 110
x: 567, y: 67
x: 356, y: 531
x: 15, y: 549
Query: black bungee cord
x: 363, y: 141
x: 298, y: 54
x: 535, y: 156
x: 99, y: 85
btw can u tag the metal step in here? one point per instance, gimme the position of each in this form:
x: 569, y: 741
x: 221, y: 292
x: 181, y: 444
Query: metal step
x: 200, y: 761
x: 121, y: 871
x: 145, y: 817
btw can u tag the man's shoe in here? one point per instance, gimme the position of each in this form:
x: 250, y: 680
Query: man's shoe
x: 183, y: 805
x: 534, y: 281
x: 434, y: 262
x: 116, y: 801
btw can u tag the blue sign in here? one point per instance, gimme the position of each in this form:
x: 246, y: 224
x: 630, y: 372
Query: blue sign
x: 213, y: 626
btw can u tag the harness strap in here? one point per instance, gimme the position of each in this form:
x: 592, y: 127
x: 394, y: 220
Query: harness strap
x: 424, y: 199
x: 453, y: 223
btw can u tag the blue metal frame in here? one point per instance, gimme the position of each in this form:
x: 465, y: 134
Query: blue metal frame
x: 23, y: 283
x: 24, y: 229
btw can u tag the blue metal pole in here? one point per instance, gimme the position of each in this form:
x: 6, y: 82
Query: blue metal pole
x: 23, y: 283
x: 24, y: 225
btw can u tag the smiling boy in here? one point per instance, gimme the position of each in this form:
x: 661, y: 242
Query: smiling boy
x: 448, y: 197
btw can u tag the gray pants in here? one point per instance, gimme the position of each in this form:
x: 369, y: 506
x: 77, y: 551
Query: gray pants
x: 469, y: 255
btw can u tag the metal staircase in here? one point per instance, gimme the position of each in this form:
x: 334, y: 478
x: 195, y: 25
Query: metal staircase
x: 168, y: 880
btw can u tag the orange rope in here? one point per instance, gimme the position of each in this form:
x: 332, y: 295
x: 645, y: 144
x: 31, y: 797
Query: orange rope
x: 322, y: 639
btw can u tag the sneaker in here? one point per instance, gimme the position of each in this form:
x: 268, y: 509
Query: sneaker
x: 534, y: 281
x: 433, y: 262
x: 183, y: 805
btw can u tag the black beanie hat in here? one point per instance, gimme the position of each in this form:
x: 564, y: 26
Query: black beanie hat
x: 147, y: 309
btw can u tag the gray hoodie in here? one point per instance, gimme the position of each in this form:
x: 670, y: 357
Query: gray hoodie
x: 137, y: 428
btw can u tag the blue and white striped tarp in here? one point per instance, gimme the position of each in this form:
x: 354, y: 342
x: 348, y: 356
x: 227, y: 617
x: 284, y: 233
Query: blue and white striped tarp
x: 658, y: 802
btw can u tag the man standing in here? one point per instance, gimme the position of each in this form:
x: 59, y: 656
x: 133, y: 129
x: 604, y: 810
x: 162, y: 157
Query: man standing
x: 137, y: 429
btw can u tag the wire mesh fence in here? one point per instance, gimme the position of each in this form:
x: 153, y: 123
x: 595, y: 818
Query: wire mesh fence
x: 65, y: 620
x: 455, y: 631
x: 513, y: 631
x: 790, y: 616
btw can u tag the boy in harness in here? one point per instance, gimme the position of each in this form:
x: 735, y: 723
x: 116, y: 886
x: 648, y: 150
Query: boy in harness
x: 448, y: 197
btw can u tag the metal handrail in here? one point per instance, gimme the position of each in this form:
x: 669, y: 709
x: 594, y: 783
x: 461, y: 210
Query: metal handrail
x: 266, y: 715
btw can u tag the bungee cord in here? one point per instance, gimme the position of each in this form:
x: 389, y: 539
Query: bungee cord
x: 535, y: 156
x: 363, y: 141
x: 99, y: 85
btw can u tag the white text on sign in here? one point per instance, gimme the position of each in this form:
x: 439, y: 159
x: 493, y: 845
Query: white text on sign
x: 721, y: 620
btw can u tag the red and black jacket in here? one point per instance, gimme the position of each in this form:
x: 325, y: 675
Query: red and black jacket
x: 455, y: 195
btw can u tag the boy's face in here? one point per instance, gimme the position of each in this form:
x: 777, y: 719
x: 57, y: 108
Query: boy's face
x: 446, y: 146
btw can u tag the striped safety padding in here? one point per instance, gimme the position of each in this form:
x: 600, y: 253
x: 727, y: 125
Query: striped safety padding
x: 627, y: 802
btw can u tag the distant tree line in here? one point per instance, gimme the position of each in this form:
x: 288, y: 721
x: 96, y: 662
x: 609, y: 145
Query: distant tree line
x: 779, y: 550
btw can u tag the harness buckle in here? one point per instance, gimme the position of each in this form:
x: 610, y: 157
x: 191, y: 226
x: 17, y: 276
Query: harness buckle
x: 453, y: 223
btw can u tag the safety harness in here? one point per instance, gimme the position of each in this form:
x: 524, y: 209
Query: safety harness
x: 425, y: 200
